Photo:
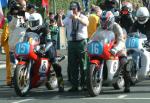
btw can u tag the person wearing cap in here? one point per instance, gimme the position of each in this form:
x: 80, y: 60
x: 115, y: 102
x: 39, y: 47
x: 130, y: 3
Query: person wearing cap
x: 76, y: 26
x: 31, y: 8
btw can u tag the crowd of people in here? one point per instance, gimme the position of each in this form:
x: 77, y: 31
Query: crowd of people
x: 80, y: 28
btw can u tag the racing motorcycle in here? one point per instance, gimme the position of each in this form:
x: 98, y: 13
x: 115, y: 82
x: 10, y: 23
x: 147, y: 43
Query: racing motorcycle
x: 33, y: 68
x: 138, y: 51
x: 103, y: 65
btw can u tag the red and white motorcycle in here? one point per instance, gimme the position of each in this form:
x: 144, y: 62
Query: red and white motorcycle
x: 103, y: 65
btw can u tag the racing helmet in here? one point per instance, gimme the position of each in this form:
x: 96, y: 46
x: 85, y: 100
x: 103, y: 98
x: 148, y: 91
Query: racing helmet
x: 107, y: 20
x: 142, y: 15
x: 35, y: 20
x: 127, y: 7
x: 111, y: 3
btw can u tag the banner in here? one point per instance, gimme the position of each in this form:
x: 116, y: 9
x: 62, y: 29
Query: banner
x: 1, y: 17
x: 44, y: 3
x: 4, y: 3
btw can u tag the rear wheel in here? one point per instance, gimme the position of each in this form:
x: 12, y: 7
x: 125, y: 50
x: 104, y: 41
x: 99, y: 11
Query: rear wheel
x: 21, y: 80
x: 94, y: 82
x: 52, y: 81
x: 119, y: 83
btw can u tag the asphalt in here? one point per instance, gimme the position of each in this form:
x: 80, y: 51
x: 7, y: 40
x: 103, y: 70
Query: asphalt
x: 140, y: 93
x: 2, y: 61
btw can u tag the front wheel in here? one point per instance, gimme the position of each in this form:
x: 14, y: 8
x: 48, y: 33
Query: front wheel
x: 131, y: 66
x: 94, y: 82
x: 21, y: 80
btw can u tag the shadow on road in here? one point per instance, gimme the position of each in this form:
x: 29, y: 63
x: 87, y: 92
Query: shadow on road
x: 43, y: 93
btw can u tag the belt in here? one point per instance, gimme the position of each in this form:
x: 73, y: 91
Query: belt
x: 77, y: 40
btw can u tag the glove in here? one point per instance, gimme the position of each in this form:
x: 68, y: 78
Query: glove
x: 113, y: 51
x: 42, y: 52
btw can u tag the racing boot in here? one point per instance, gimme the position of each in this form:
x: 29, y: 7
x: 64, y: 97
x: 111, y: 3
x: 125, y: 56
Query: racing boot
x: 127, y: 87
x: 60, y: 84
x: 127, y: 82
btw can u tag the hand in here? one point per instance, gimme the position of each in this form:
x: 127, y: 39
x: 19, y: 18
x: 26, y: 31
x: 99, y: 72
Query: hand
x: 60, y: 13
x: 113, y: 51
x: 74, y: 17
x: 42, y: 52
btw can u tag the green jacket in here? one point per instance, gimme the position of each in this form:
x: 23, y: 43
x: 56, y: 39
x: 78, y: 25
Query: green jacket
x: 54, y: 32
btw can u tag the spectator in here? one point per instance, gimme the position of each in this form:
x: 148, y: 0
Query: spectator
x: 54, y: 31
x: 51, y: 16
x: 86, y: 5
x: 31, y: 8
x: 76, y: 25
x: 4, y: 43
x: 94, y: 20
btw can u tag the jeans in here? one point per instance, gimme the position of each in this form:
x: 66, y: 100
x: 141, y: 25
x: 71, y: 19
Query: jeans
x: 85, y: 5
x: 12, y: 58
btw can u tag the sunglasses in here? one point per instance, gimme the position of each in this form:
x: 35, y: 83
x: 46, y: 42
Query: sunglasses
x: 73, y: 8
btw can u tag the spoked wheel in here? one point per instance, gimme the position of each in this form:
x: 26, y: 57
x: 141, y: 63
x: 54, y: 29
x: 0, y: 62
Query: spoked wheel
x: 21, y: 80
x: 94, y: 82
x: 52, y: 82
x: 119, y: 82
x: 133, y: 72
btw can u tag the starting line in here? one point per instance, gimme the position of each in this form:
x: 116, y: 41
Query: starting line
x: 116, y: 98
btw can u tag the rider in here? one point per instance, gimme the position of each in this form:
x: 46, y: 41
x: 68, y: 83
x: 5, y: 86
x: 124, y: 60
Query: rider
x: 35, y: 23
x: 108, y: 23
x: 113, y: 6
x: 143, y: 22
x: 126, y: 15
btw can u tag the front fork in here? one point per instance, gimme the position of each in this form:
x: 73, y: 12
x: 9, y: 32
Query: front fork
x: 99, y: 67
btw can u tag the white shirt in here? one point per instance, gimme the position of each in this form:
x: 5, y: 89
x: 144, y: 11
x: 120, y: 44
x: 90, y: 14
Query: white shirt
x: 82, y: 29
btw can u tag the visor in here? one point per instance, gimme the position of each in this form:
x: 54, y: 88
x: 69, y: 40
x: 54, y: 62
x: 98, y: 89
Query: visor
x: 34, y: 23
x: 142, y: 18
x: 124, y: 12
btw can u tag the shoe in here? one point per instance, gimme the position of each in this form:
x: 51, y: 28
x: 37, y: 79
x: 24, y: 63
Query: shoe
x: 61, y: 89
x: 84, y: 89
x: 9, y: 84
x: 73, y: 89
x: 59, y: 59
x: 127, y: 90
x: 60, y: 84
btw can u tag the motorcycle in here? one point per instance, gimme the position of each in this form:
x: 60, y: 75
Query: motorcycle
x: 33, y: 68
x: 138, y: 51
x: 103, y: 64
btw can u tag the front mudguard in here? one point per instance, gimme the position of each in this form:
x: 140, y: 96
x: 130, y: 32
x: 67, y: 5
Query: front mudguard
x: 96, y: 62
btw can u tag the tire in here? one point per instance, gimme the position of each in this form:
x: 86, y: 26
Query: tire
x: 119, y: 83
x: 22, y: 80
x: 52, y: 83
x: 94, y: 83
x: 133, y: 73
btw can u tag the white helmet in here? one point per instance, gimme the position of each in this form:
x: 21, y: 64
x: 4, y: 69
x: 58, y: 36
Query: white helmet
x: 35, y: 20
x: 142, y: 15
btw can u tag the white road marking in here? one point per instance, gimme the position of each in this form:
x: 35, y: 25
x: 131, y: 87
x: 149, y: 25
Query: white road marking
x: 2, y: 66
x: 117, y: 98
x: 121, y: 96
x: 25, y: 100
